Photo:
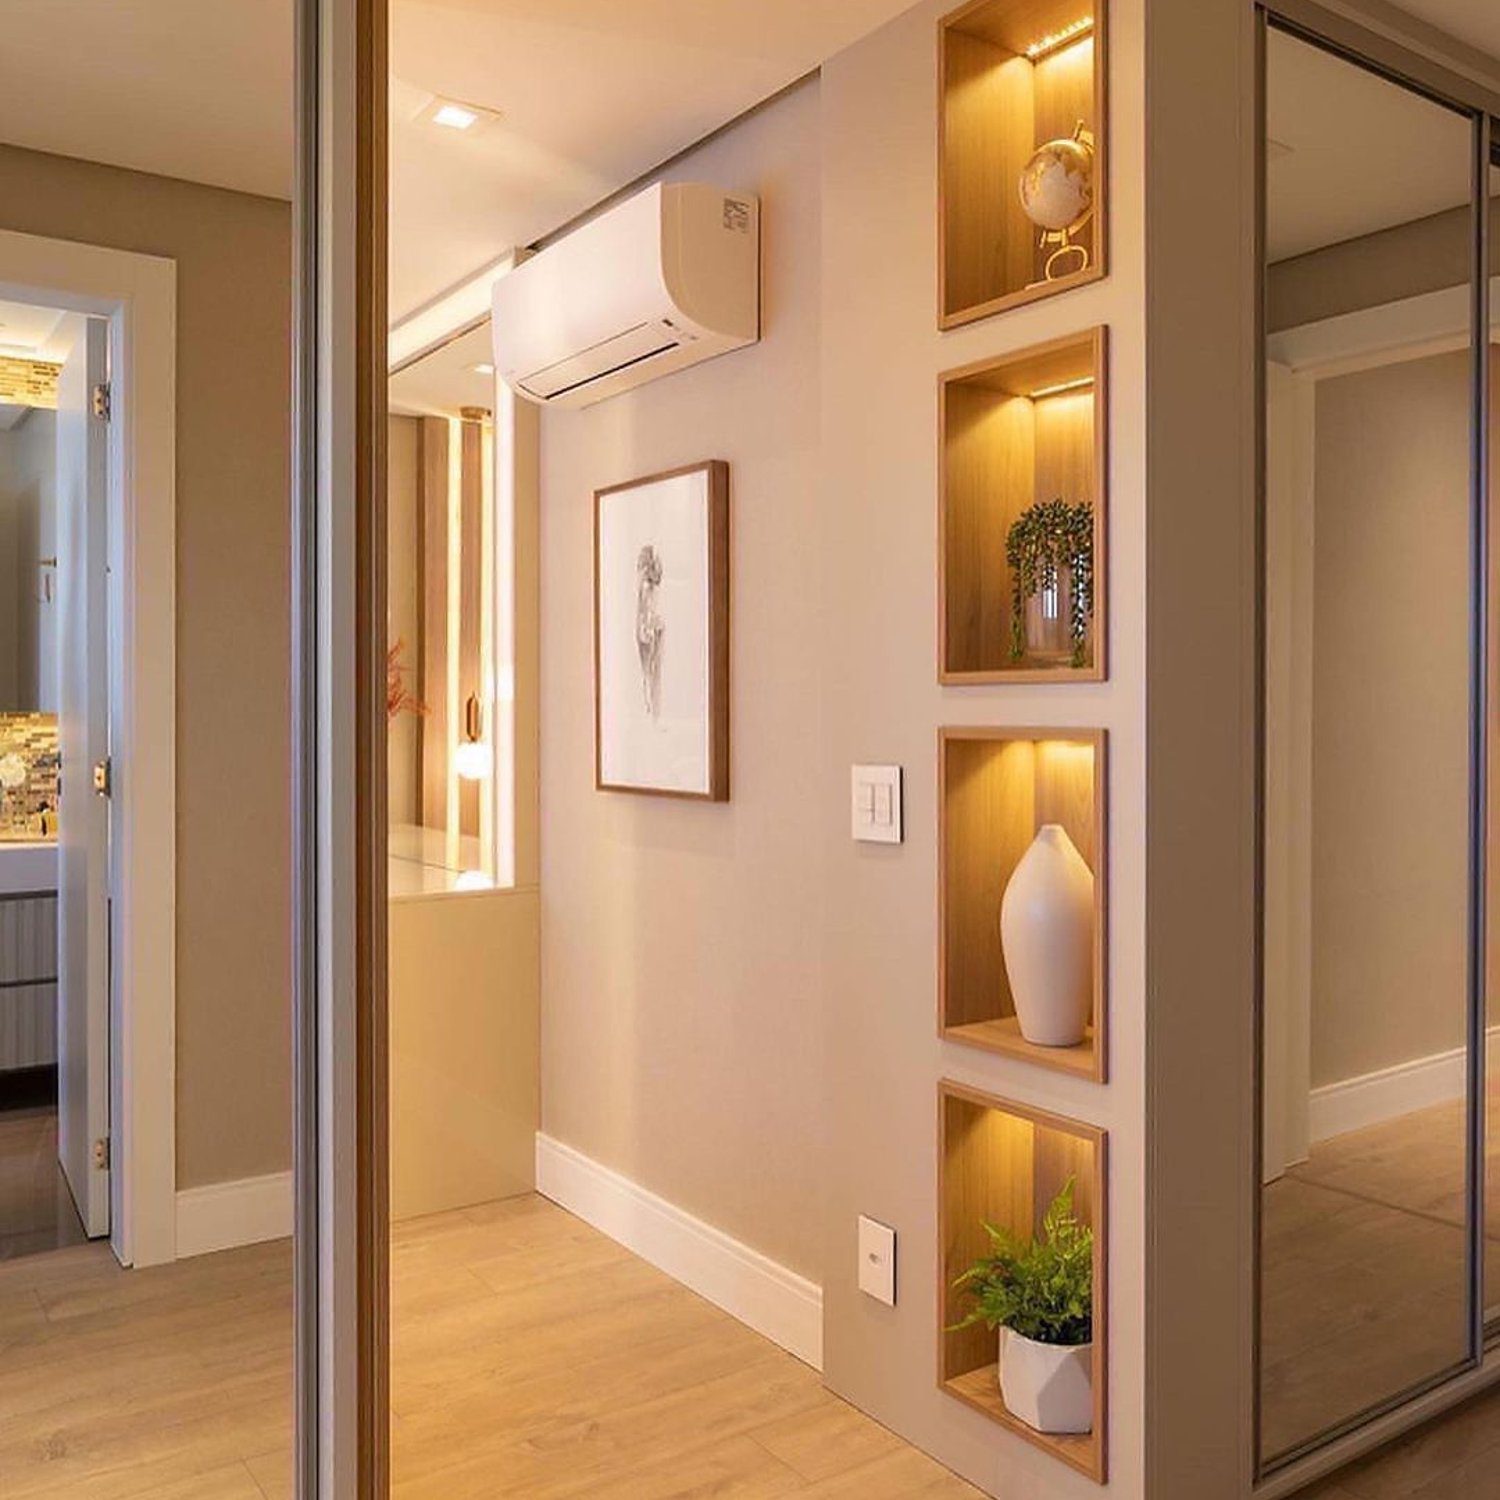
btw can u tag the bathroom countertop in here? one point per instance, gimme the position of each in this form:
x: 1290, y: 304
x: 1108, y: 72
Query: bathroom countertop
x: 27, y: 867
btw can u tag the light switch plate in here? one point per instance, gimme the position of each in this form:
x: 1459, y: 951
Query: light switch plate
x: 877, y: 1261
x: 876, y: 804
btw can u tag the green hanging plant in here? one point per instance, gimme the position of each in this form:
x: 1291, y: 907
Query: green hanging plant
x: 1048, y: 537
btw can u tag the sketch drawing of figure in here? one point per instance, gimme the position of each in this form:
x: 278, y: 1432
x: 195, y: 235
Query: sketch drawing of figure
x: 649, y: 626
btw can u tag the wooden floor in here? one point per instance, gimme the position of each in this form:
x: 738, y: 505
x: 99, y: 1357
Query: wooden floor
x: 1457, y: 1457
x: 1364, y: 1277
x: 36, y: 1211
x: 532, y: 1358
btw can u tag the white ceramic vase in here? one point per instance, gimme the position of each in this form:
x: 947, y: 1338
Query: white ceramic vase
x: 1050, y: 1387
x: 1047, y: 936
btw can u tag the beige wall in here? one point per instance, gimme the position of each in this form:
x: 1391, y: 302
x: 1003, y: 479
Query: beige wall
x: 877, y: 545
x: 233, y: 255
x: 463, y: 987
x: 1427, y: 255
x: 1391, y: 716
x: 738, y: 1002
x: 681, y: 958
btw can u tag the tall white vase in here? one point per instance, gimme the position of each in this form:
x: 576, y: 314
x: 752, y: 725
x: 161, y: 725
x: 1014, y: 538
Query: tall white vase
x: 1047, y: 935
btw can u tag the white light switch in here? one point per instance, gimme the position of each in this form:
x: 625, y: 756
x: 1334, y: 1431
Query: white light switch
x: 877, y: 1261
x: 877, y: 804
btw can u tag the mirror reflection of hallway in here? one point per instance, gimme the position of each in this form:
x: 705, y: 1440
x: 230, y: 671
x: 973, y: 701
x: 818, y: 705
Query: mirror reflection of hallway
x: 146, y: 1316
x: 1370, y: 415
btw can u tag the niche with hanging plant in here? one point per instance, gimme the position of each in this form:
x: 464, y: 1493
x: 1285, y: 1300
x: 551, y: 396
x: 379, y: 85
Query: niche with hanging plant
x: 1023, y: 505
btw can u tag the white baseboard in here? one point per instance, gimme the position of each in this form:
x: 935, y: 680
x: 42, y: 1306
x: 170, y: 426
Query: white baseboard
x: 1354, y: 1103
x: 226, y: 1215
x: 784, y: 1307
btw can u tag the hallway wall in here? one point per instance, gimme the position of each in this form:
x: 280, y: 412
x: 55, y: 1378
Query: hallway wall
x: 682, y: 980
x: 233, y: 255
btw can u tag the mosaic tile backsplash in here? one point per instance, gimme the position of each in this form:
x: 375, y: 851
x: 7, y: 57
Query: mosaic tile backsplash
x: 29, y: 769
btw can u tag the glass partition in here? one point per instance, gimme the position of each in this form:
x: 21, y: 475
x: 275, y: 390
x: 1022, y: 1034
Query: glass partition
x: 1370, y: 786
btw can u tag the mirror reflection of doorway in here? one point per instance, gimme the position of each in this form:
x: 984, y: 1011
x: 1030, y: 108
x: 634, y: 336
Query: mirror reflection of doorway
x: 1370, y: 1268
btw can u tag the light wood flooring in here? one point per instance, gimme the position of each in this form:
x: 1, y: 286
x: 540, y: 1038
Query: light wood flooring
x: 532, y: 1358
x: 36, y: 1210
x: 1364, y: 1281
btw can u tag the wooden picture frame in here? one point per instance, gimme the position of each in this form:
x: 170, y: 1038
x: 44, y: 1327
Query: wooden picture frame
x: 1001, y: 1161
x: 661, y: 634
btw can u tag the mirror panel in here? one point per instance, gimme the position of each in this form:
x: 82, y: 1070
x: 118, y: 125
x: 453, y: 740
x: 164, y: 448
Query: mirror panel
x: 1368, y: 792
x: 1492, y: 816
x: 449, y: 689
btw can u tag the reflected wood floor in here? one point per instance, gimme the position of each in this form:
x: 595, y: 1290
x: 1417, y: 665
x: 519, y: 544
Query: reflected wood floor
x: 36, y: 1210
x: 532, y: 1358
x: 1455, y: 1457
x: 1364, y: 1280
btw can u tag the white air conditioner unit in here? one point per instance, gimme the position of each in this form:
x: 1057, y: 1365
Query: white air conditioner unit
x: 664, y: 280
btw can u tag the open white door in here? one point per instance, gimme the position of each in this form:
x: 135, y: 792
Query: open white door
x: 83, y: 822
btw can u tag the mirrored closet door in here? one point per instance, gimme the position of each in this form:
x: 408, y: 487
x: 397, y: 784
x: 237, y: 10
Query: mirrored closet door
x: 1376, y: 418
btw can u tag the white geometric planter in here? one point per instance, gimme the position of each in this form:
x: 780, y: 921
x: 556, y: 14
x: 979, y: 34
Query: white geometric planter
x: 1048, y: 1386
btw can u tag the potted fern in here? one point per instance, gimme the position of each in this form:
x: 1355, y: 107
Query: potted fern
x: 1050, y: 553
x: 1039, y: 1295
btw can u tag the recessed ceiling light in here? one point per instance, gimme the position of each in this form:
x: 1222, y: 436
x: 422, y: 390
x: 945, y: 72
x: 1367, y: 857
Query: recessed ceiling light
x: 454, y: 117
x: 459, y: 115
x: 483, y: 369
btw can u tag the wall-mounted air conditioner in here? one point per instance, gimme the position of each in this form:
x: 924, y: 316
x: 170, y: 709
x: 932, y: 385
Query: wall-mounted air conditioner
x: 664, y: 280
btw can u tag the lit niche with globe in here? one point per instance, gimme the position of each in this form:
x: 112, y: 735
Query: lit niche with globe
x: 1057, y: 194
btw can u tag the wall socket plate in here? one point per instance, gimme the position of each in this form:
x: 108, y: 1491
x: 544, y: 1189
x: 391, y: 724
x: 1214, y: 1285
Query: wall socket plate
x: 877, y: 813
x: 877, y: 1260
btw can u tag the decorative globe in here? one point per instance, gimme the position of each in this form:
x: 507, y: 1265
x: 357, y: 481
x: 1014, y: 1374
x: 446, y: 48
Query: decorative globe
x: 1057, y: 185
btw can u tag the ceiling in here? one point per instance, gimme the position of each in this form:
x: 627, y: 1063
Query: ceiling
x: 177, y: 87
x: 593, y: 94
x: 30, y: 332
x: 1476, y: 22
x: 1352, y: 153
x: 448, y: 379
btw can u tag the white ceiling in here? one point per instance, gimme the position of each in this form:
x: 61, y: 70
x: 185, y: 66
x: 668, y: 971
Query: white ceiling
x: 30, y: 332
x: 1476, y: 22
x: 447, y: 379
x: 1353, y: 153
x: 200, y: 89
x: 593, y: 94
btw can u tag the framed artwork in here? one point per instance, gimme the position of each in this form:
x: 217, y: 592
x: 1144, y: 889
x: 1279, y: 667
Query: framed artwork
x: 661, y: 635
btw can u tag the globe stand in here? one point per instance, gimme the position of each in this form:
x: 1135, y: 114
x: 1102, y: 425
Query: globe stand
x: 1056, y: 267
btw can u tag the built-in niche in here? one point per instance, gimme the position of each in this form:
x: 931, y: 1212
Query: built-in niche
x: 1004, y: 1163
x: 1022, y: 210
x: 1022, y: 500
x: 997, y: 790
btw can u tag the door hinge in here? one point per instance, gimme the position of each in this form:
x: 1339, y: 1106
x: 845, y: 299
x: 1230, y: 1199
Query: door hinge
x: 104, y: 777
x: 101, y: 401
x: 101, y: 1153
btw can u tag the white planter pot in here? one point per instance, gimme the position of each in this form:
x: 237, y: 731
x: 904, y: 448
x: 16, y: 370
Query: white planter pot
x: 1048, y: 1386
x: 1047, y: 935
